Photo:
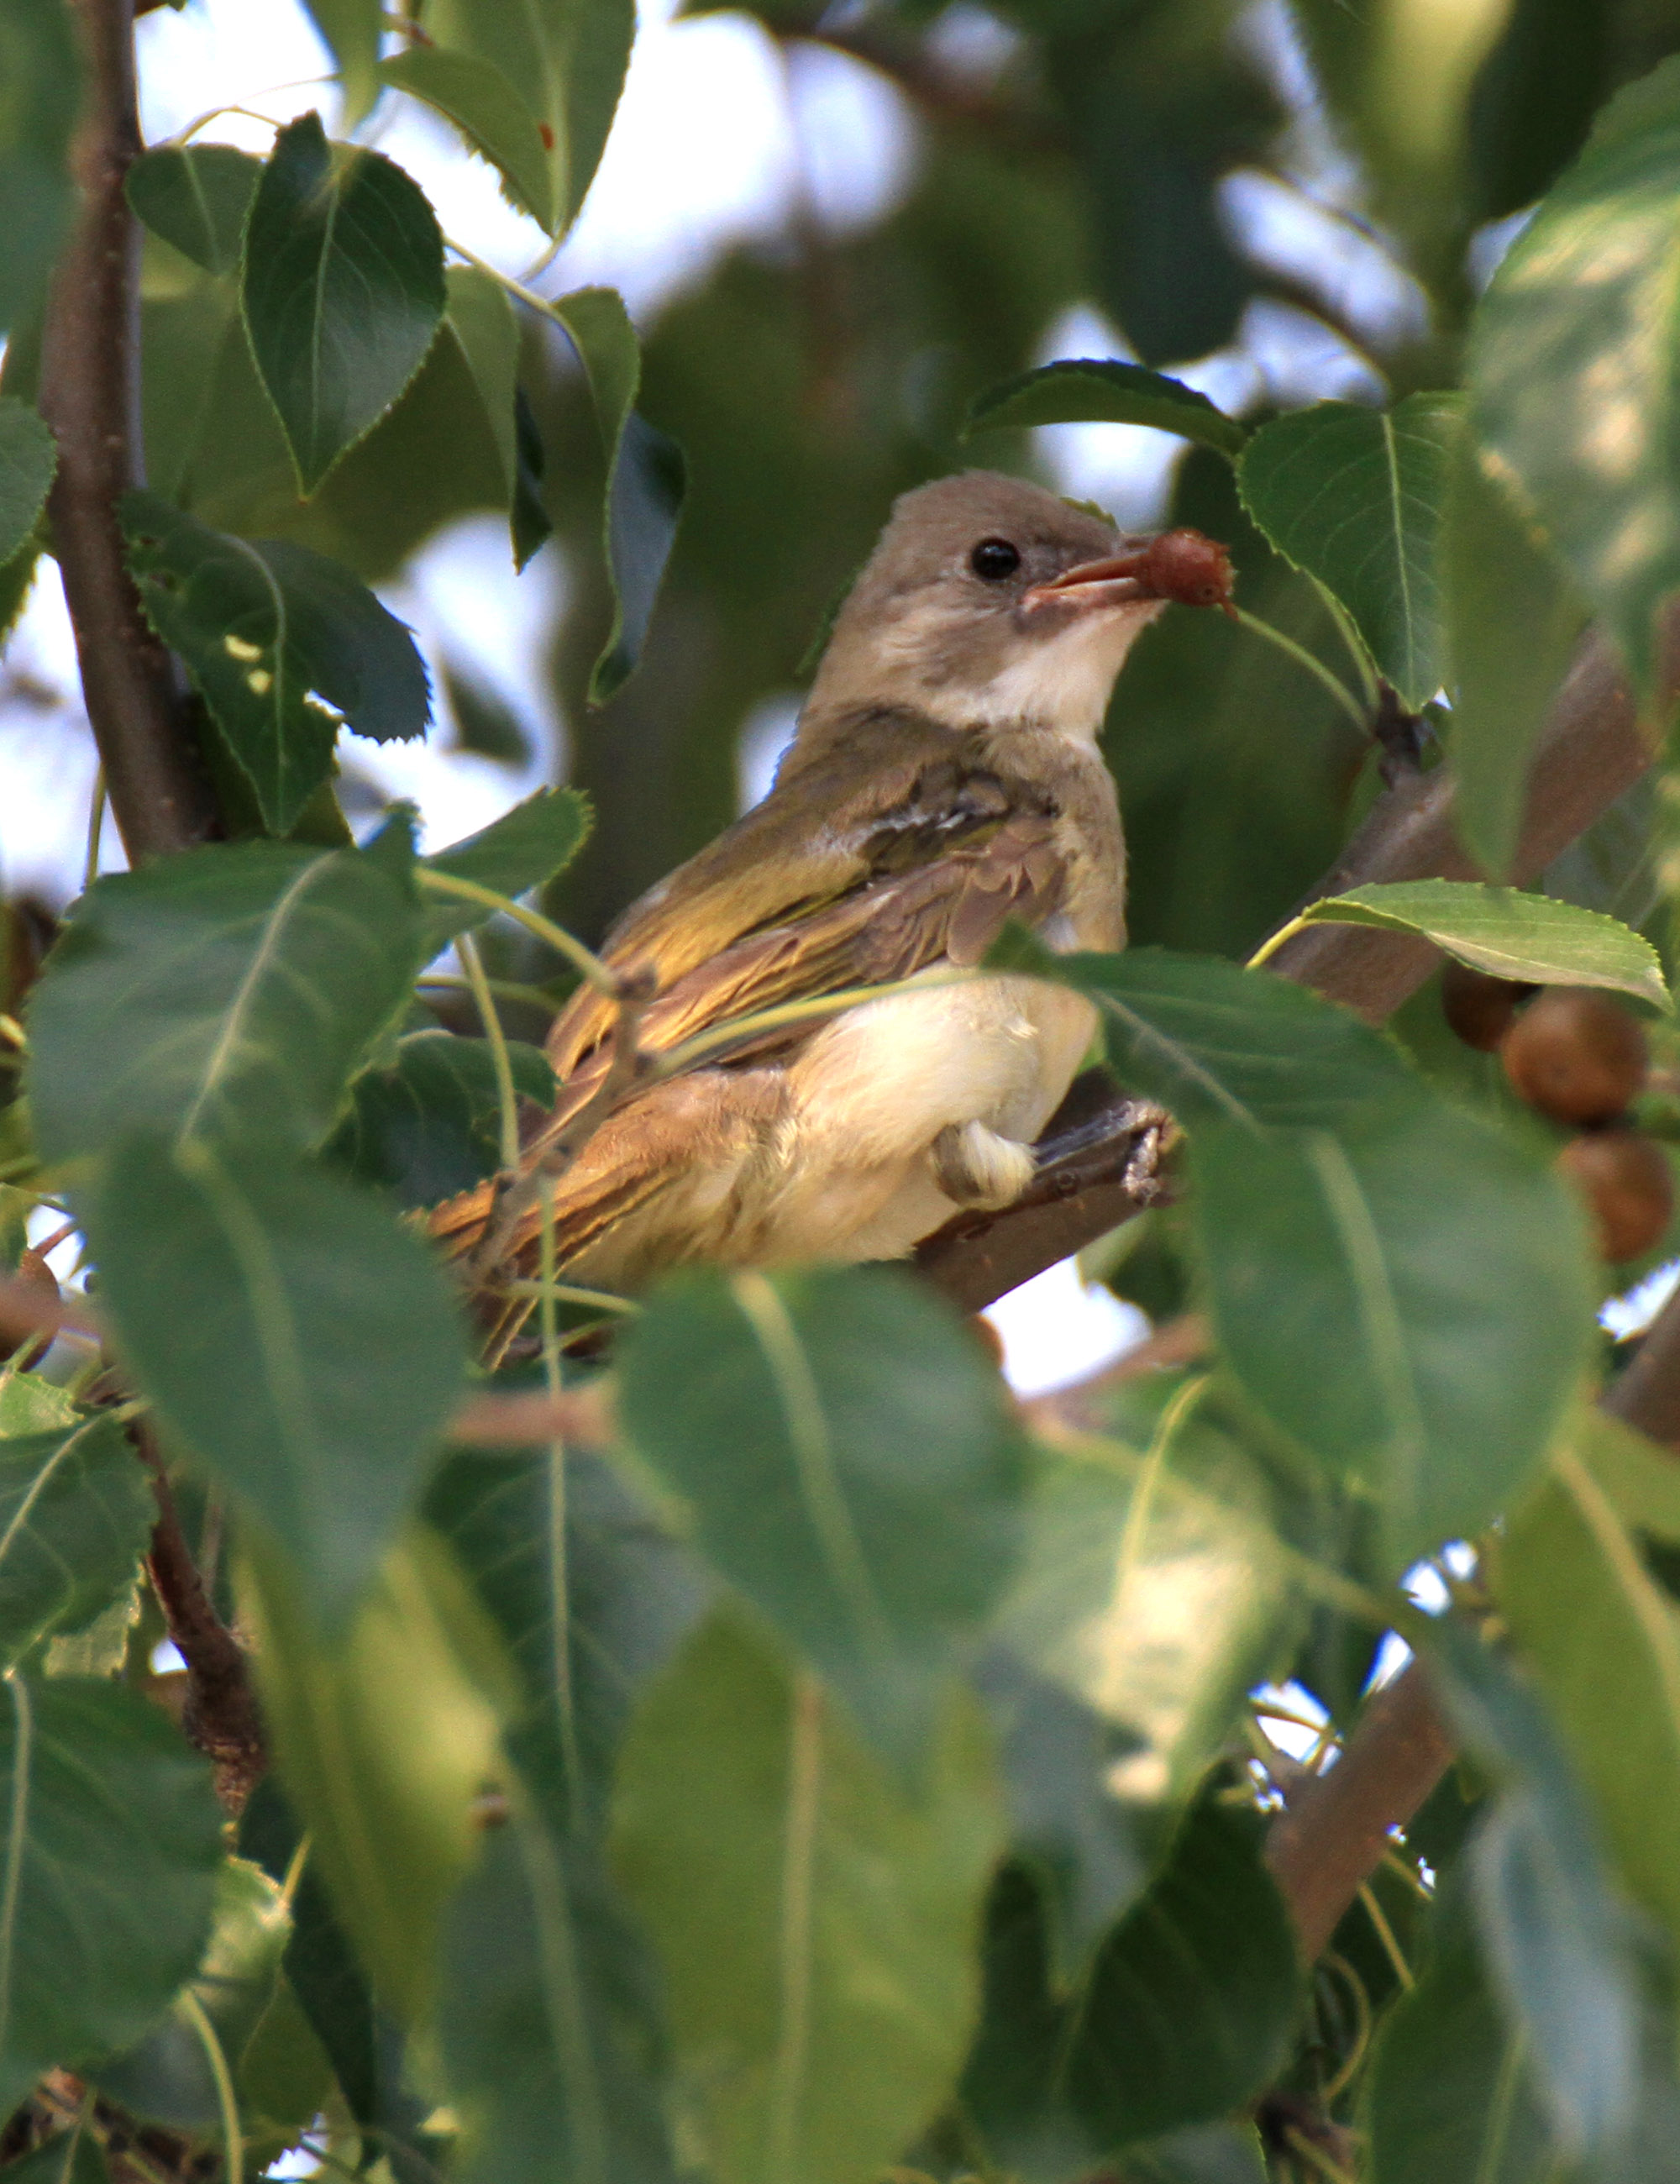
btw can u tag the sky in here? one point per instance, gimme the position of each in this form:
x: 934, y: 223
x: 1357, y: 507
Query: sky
x: 755, y: 134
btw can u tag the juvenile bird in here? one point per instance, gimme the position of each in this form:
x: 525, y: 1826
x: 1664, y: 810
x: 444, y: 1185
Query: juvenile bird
x: 944, y: 777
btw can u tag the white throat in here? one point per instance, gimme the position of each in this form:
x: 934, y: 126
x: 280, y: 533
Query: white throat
x: 1061, y: 682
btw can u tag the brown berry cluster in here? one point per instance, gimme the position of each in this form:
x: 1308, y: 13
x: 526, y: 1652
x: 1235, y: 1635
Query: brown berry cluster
x: 1580, y: 1059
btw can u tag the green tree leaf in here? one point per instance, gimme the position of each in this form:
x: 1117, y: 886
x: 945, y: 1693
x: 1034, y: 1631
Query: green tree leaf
x: 1423, y: 1343
x: 230, y: 993
x: 40, y: 67
x: 1103, y: 391
x: 427, y: 1126
x: 75, y: 1518
x: 566, y: 64
x: 284, y: 645
x: 197, y: 198
x: 1513, y: 620
x: 293, y: 1338
x: 343, y: 290
x: 525, y: 848
x: 351, y: 30
x: 1529, y: 937
x: 646, y: 477
x: 816, y: 1923
x: 1353, y: 496
x: 852, y: 1465
x: 29, y: 455
x: 69, y: 2156
x: 495, y: 119
x: 1573, y: 395
x: 109, y: 1868
x: 1184, y: 2013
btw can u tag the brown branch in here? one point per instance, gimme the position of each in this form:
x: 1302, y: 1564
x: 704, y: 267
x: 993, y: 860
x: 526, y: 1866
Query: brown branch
x: 90, y: 395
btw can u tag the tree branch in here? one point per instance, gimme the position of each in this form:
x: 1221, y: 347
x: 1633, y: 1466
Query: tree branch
x: 90, y: 395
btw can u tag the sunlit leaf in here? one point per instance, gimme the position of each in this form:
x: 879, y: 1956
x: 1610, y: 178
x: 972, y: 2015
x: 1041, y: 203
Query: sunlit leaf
x: 493, y: 117
x: 230, y: 993
x: 1102, y: 390
x: 1353, y: 496
x: 351, y: 30
x: 75, y: 1517
x: 293, y: 1338
x: 28, y: 457
x: 343, y: 290
x: 109, y: 1869
x: 1532, y: 938
x: 849, y: 1455
x: 816, y: 1922
x: 197, y: 197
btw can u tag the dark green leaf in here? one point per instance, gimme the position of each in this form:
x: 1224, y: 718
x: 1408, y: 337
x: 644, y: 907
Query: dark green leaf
x: 71, y: 2157
x: 197, y: 197
x: 531, y: 525
x: 1353, y: 496
x: 1422, y: 1341
x: 109, y: 1869
x: 645, y: 478
x: 1532, y: 937
x: 16, y: 575
x: 1572, y: 388
x: 852, y: 1465
x: 75, y: 1518
x: 283, y: 644
x: 1452, y: 2098
x: 40, y: 67
x: 1533, y: 100
x: 1513, y: 618
x: 351, y: 30
x: 566, y: 64
x: 489, y: 113
x: 427, y: 1126
x: 525, y: 848
x: 1183, y: 2014
x: 1107, y: 392
x: 230, y: 993
x: 343, y: 290
x: 292, y: 1336
x: 29, y: 455
x: 816, y: 1923
x: 1205, y: 2153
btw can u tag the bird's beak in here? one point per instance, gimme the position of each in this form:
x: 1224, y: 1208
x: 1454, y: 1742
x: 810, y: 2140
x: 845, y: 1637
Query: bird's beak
x: 1182, y: 565
x: 1116, y: 581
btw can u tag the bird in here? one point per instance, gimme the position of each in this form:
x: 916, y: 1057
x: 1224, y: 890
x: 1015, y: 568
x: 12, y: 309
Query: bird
x: 944, y: 777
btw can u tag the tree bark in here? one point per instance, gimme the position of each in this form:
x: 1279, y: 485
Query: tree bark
x: 90, y: 395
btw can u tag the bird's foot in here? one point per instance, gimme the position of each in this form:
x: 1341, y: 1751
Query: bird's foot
x: 978, y: 1169
x: 1155, y: 1134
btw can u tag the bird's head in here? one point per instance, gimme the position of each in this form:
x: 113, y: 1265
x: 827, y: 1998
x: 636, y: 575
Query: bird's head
x: 990, y: 603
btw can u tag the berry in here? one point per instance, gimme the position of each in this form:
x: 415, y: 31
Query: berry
x: 1188, y: 566
x: 1479, y: 1007
x: 1577, y: 1056
x: 1628, y: 1186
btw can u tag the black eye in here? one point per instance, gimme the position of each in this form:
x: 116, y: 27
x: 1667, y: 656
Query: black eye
x: 994, y: 559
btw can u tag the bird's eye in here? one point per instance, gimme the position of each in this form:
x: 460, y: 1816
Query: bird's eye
x: 994, y: 559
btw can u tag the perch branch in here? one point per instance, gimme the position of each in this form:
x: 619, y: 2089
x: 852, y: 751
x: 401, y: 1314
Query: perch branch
x: 90, y: 395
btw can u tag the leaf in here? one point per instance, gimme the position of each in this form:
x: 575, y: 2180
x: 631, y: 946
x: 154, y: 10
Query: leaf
x: 386, y: 1741
x: 1572, y: 390
x: 525, y: 848
x: 1603, y: 1641
x: 230, y: 993
x: 1353, y: 496
x: 197, y: 197
x: 40, y: 67
x: 567, y: 64
x: 852, y: 1465
x: 480, y: 323
x: 284, y: 644
x: 352, y: 30
x: 75, y: 1519
x: 295, y: 1339
x: 29, y: 455
x: 1513, y: 620
x: 69, y: 2156
x: 167, y: 2078
x: 1100, y: 390
x: 108, y: 1871
x: 343, y: 290
x: 1423, y: 1340
x: 531, y: 525
x: 646, y: 477
x: 816, y: 1924
x: 489, y: 113
x: 1451, y: 2097
x: 1558, y: 1942
x: 427, y: 1127
x: 1533, y: 938
x: 1205, y: 2153
x: 1184, y: 2013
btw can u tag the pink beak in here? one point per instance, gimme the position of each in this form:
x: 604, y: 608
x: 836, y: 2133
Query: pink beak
x: 1112, y: 581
